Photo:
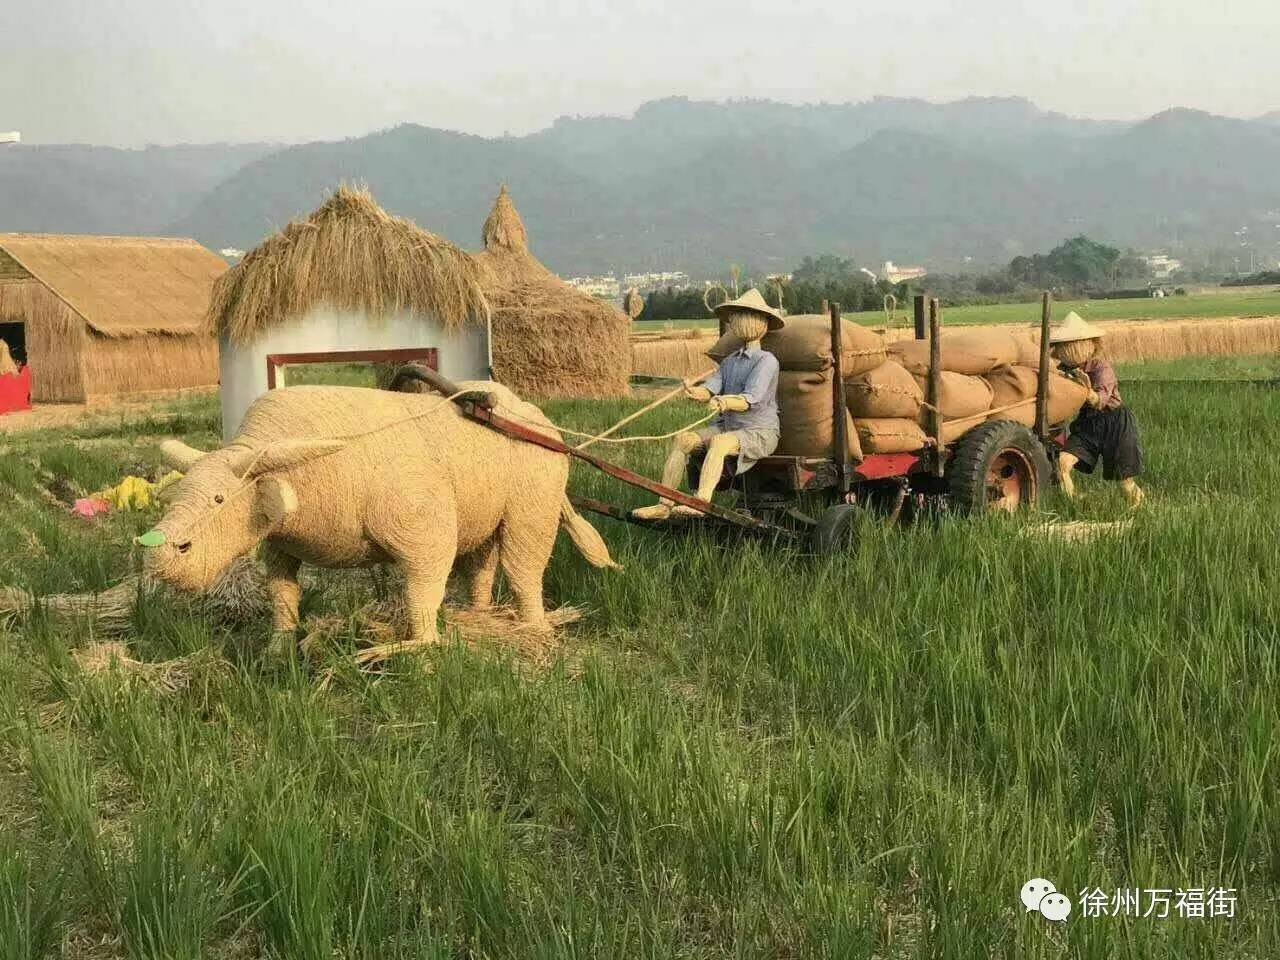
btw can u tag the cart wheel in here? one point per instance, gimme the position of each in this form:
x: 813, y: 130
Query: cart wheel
x: 833, y: 533
x: 997, y: 466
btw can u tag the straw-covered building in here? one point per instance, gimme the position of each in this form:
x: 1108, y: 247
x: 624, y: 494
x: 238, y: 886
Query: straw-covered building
x: 351, y: 279
x: 106, y: 316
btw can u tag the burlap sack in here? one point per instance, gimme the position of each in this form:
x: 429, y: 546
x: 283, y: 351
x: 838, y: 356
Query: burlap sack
x: 1010, y: 385
x: 805, y: 406
x: 889, y: 435
x: 972, y: 353
x: 1028, y: 351
x: 958, y: 395
x: 1066, y: 397
x: 887, y: 391
x: 805, y: 344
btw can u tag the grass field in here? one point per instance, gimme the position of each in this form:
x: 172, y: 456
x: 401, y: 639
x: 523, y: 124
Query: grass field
x: 738, y: 753
x: 1226, y: 302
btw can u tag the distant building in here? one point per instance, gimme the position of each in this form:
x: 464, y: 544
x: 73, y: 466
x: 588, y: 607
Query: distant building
x: 1162, y: 266
x: 604, y: 287
x: 645, y: 282
x: 896, y: 274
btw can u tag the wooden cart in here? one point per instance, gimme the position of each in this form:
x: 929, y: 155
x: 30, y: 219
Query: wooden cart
x: 996, y: 465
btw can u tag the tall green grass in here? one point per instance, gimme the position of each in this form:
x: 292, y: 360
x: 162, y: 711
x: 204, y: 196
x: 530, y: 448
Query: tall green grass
x: 741, y: 752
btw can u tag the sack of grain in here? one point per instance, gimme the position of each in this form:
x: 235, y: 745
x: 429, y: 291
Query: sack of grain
x: 889, y: 435
x: 1066, y: 397
x: 887, y: 391
x: 971, y: 352
x: 805, y: 344
x: 958, y: 395
x: 805, y: 406
x: 1009, y: 385
x: 1028, y: 351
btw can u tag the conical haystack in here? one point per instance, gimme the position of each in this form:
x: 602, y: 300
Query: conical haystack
x: 548, y: 338
x: 348, y: 254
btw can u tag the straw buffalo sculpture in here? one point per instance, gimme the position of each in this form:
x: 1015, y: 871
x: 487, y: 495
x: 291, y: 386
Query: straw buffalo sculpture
x: 352, y: 477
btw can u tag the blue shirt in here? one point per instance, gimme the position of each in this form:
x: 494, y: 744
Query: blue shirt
x: 752, y: 374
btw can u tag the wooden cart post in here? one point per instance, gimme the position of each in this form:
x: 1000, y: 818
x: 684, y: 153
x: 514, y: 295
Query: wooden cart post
x: 1042, y: 375
x: 840, y: 436
x: 919, y: 313
x: 935, y: 384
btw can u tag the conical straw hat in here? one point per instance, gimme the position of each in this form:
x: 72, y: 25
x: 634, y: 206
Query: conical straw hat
x: 1074, y: 327
x: 751, y: 300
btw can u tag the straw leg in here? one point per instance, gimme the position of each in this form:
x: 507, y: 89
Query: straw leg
x: 284, y: 590
x: 672, y: 475
x: 423, y: 593
x: 426, y: 564
x: 721, y: 446
x: 528, y: 537
x: 481, y: 568
x: 1133, y: 493
x: 1066, y: 462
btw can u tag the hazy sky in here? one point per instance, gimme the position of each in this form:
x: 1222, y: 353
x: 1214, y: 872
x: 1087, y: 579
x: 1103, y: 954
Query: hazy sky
x: 136, y: 71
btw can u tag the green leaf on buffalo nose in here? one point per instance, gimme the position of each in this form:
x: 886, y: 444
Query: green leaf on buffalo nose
x: 152, y: 538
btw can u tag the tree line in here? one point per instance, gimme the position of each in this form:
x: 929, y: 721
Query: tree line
x: 1076, y: 267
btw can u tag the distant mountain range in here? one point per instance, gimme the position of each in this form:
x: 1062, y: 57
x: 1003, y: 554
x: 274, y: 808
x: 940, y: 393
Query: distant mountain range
x: 695, y: 185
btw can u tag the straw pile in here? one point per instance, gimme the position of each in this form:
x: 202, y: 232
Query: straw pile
x: 548, y: 338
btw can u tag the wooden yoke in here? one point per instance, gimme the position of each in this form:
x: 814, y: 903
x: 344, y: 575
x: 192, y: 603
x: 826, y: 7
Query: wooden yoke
x: 934, y: 391
x: 1042, y: 375
x: 840, y: 436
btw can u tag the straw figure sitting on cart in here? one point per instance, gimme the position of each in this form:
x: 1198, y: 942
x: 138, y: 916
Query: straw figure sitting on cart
x: 743, y: 392
x: 1105, y: 428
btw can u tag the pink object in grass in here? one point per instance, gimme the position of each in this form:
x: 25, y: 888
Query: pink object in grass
x: 89, y: 507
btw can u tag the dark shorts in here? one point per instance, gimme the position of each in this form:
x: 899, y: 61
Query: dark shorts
x: 1109, y: 435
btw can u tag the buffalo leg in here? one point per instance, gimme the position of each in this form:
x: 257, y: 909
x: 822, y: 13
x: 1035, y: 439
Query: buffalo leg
x: 481, y: 568
x: 426, y: 561
x: 284, y: 590
x: 528, y: 535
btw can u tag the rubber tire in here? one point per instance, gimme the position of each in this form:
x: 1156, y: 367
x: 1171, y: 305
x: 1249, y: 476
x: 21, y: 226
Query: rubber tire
x: 832, y: 534
x: 973, y: 456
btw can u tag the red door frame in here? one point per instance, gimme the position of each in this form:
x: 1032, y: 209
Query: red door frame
x: 427, y: 355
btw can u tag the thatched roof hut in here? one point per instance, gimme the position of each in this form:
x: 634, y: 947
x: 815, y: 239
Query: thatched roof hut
x: 103, y: 316
x: 352, y: 256
x: 548, y: 338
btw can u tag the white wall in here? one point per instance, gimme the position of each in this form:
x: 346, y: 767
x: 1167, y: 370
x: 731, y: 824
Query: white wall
x: 462, y: 355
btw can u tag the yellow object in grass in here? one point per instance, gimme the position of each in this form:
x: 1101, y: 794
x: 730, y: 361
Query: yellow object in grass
x: 131, y: 493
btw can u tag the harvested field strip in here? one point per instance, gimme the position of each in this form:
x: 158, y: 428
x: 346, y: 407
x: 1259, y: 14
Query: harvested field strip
x: 1127, y: 341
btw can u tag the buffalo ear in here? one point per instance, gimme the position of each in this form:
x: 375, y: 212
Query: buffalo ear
x: 178, y: 455
x: 276, y: 499
x: 252, y: 462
